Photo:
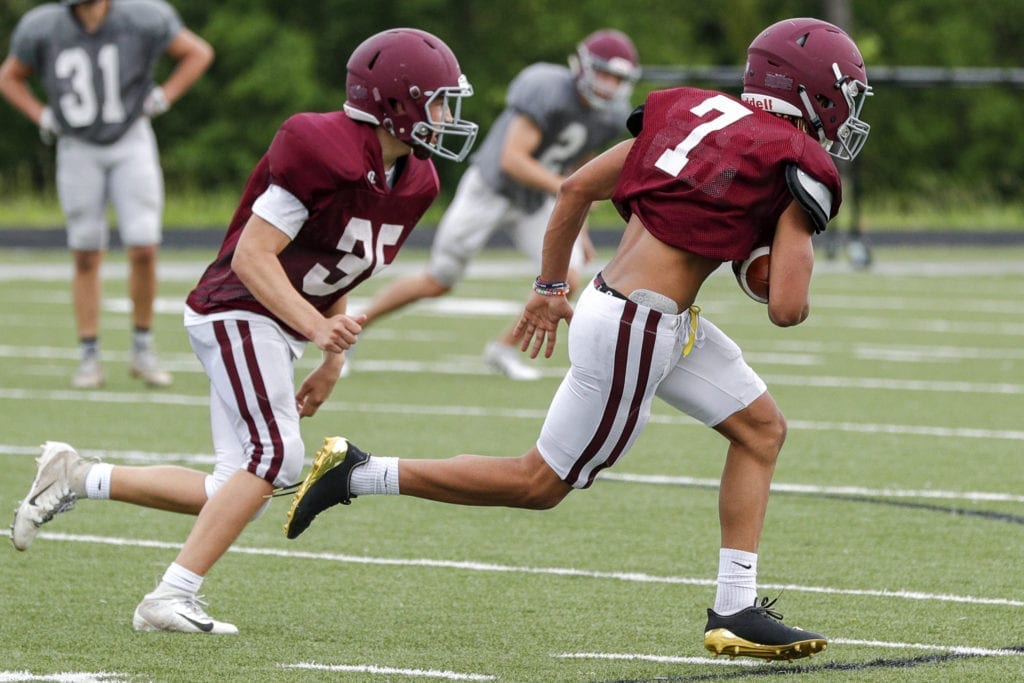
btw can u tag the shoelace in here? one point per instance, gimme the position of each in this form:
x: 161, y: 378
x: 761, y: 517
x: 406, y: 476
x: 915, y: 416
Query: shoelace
x: 284, y: 491
x: 65, y: 502
x: 765, y: 607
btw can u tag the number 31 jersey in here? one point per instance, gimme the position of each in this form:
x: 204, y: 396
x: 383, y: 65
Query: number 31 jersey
x: 707, y: 172
x: 96, y: 82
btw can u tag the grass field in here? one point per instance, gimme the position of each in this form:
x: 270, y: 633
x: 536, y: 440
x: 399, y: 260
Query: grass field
x: 895, y: 527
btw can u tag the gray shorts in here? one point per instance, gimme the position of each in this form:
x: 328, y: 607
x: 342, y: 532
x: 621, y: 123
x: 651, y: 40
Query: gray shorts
x: 474, y: 214
x: 126, y: 173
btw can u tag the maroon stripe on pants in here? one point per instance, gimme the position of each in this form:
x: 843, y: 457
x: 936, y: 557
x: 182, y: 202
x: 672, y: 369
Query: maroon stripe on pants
x: 642, y: 377
x: 263, y: 401
x: 220, y: 331
x: 611, y: 408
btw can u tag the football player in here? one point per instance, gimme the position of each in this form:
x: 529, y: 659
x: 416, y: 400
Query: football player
x: 555, y: 118
x: 95, y: 60
x: 328, y: 205
x: 707, y: 177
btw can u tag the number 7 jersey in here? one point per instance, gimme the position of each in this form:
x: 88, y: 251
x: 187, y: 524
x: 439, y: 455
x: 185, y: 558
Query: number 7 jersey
x: 708, y: 173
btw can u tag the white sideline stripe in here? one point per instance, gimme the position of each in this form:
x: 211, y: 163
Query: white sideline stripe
x: 509, y: 413
x: 667, y: 659
x: 389, y: 671
x: 144, y: 457
x: 633, y: 577
x: 660, y: 659
x: 187, y: 362
x: 63, y: 677
x: 954, y: 649
x: 972, y: 496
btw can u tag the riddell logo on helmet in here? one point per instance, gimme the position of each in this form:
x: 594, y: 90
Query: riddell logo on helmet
x: 778, y: 81
x: 764, y: 103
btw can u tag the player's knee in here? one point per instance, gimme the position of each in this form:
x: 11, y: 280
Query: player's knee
x: 540, y: 487
x: 444, y: 272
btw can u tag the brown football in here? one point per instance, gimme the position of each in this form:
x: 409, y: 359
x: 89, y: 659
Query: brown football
x: 752, y: 274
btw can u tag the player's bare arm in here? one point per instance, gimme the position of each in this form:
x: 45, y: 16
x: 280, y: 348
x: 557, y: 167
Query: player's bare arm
x: 193, y: 56
x: 318, y: 385
x: 14, y: 75
x: 789, y: 279
x: 538, y: 326
x: 522, y: 140
x: 256, y: 264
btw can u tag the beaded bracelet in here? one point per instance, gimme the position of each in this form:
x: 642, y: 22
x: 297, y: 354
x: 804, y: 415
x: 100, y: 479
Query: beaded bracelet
x: 543, y: 288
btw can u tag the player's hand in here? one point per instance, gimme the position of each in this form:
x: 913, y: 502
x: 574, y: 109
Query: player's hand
x: 316, y: 389
x: 155, y: 103
x: 539, y: 323
x: 338, y: 332
x: 49, y: 129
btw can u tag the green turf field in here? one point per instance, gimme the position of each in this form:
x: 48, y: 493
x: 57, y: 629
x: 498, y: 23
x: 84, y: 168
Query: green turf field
x: 895, y: 527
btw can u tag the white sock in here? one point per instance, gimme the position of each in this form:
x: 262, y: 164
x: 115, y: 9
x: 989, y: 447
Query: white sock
x: 737, y: 581
x: 97, y: 481
x: 377, y: 476
x: 177, y: 579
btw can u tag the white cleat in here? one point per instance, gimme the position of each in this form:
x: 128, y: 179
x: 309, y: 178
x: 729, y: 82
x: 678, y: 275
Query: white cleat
x: 146, y: 367
x: 180, y: 612
x: 50, y: 493
x: 89, y: 374
x: 507, y: 360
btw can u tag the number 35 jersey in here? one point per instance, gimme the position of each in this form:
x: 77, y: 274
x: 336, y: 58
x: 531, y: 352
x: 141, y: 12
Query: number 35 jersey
x: 96, y: 82
x: 708, y: 173
x: 350, y: 223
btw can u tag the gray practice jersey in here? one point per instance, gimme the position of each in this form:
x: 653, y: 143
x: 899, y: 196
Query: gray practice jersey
x: 96, y: 82
x: 547, y: 94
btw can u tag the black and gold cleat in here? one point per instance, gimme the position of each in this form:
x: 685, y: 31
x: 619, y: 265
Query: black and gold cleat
x: 327, y: 484
x: 758, y: 631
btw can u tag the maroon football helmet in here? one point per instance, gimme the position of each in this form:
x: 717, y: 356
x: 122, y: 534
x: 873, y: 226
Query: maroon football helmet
x: 393, y: 79
x: 811, y: 69
x: 608, y: 51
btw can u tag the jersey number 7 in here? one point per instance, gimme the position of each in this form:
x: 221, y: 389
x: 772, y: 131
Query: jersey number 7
x: 672, y: 161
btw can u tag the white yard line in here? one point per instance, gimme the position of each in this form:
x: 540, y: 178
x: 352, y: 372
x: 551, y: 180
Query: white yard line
x: 135, y: 457
x: 389, y: 671
x: 631, y: 577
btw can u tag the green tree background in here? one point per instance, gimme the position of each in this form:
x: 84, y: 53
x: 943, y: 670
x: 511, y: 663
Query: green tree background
x: 940, y: 145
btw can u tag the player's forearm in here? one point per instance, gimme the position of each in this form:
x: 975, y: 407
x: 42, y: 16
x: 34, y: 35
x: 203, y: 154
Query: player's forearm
x: 263, y: 276
x: 194, y: 56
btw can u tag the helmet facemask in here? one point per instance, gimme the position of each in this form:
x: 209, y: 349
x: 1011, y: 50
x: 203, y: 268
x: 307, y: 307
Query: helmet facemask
x: 852, y: 133
x: 432, y: 134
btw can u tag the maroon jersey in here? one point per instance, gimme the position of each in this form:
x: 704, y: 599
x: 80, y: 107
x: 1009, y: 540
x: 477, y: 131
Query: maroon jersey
x: 356, y: 224
x: 707, y: 173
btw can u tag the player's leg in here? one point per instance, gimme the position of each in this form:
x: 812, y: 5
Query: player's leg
x: 715, y: 385
x: 255, y: 424
x: 81, y: 189
x: 137, y: 194
x: 594, y: 418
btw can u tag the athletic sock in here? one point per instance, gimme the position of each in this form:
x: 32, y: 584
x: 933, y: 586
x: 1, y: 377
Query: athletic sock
x: 142, y: 339
x: 89, y: 347
x: 95, y: 483
x: 378, y: 476
x: 737, y: 581
x: 177, y: 579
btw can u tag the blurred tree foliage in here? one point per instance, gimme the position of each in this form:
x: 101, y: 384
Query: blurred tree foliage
x: 278, y: 57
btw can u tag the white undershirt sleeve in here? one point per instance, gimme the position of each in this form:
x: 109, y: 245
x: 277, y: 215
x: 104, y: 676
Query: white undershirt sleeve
x: 282, y: 209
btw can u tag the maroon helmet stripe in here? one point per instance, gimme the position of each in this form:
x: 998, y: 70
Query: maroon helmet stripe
x: 642, y: 378
x: 611, y: 408
x: 262, y: 400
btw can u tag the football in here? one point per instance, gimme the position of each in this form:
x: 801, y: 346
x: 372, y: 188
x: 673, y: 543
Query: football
x: 752, y: 274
